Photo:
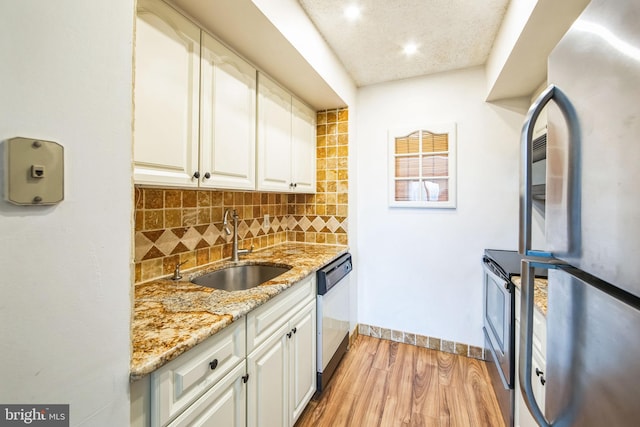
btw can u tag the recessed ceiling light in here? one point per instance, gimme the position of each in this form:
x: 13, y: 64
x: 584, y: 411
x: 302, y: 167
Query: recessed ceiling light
x: 410, y: 49
x: 352, y: 12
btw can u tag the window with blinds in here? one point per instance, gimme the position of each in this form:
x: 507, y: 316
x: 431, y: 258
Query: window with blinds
x: 422, y: 167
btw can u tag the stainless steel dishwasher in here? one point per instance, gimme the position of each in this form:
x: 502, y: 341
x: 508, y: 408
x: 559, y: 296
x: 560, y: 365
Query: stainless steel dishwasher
x: 333, y: 316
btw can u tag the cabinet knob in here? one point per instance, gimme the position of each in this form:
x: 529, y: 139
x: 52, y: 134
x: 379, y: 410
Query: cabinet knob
x: 294, y: 330
x: 196, y: 174
x: 245, y: 378
x: 213, y: 364
x: 289, y: 334
x: 207, y: 175
x: 540, y: 374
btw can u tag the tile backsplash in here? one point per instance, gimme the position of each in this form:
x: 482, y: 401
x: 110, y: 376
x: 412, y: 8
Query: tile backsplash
x: 174, y: 225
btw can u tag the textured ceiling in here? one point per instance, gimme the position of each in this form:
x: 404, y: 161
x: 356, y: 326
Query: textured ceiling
x: 449, y: 34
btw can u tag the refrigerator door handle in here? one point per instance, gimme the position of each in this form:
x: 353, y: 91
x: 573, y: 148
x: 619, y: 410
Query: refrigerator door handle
x: 526, y: 343
x: 526, y: 177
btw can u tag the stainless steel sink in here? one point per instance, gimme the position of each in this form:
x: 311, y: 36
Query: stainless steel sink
x: 241, y: 277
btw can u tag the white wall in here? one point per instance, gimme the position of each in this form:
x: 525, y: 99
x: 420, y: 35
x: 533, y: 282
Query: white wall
x: 65, y: 270
x: 419, y: 270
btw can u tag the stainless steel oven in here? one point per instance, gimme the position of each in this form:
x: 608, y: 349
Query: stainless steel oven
x: 498, y: 311
x: 499, y: 300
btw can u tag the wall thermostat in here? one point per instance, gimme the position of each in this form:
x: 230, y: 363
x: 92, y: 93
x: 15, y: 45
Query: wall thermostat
x: 34, y: 172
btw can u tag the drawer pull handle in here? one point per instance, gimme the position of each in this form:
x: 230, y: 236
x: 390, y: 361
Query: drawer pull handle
x: 294, y: 330
x: 245, y: 378
x: 213, y: 364
x: 289, y: 334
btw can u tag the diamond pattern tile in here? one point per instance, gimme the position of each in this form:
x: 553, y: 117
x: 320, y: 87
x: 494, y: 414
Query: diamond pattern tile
x: 255, y: 227
x: 191, y: 238
x: 317, y: 224
x: 143, y: 245
x: 333, y: 224
x: 211, y: 234
x: 304, y: 223
x: 167, y: 242
x: 243, y: 229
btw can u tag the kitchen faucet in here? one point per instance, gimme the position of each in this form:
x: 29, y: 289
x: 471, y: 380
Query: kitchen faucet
x: 225, y: 224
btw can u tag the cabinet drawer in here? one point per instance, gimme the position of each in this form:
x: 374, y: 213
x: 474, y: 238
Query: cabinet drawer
x: 222, y: 405
x: 265, y: 320
x: 181, y: 381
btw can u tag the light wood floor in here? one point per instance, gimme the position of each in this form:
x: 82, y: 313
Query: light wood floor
x: 384, y: 383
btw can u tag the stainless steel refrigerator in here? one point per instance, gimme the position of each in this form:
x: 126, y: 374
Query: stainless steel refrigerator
x: 592, y: 224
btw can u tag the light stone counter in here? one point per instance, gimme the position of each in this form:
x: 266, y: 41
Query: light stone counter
x: 170, y: 317
x: 539, y: 293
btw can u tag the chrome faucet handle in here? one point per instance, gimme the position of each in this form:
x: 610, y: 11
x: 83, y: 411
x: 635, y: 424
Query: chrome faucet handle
x: 245, y: 251
x: 176, y: 273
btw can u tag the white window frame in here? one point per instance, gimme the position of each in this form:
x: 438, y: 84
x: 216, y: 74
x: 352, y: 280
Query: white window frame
x: 450, y: 130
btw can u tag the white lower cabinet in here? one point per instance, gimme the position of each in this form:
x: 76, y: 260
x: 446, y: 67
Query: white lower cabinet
x: 268, y: 386
x: 302, y: 357
x: 259, y: 371
x: 282, y: 372
x: 282, y: 368
x: 522, y: 416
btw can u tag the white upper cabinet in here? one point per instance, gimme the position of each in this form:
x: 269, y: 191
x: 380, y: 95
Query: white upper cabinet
x: 196, y: 114
x: 274, y: 136
x: 303, y: 130
x: 228, y: 118
x: 286, y: 141
x: 166, y: 96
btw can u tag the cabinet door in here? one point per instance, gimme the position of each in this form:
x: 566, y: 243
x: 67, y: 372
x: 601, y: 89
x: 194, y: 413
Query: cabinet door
x: 228, y: 118
x: 303, y: 157
x: 274, y: 136
x: 538, y: 378
x: 522, y: 416
x: 302, y: 360
x: 267, y: 387
x: 166, y: 96
x: 223, y: 405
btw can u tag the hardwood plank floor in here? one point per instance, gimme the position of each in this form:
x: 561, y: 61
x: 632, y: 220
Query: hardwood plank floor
x: 384, y: 383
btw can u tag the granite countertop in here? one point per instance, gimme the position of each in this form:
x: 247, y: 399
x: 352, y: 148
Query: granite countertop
x: 170, y: 317
x: 539, y: 293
